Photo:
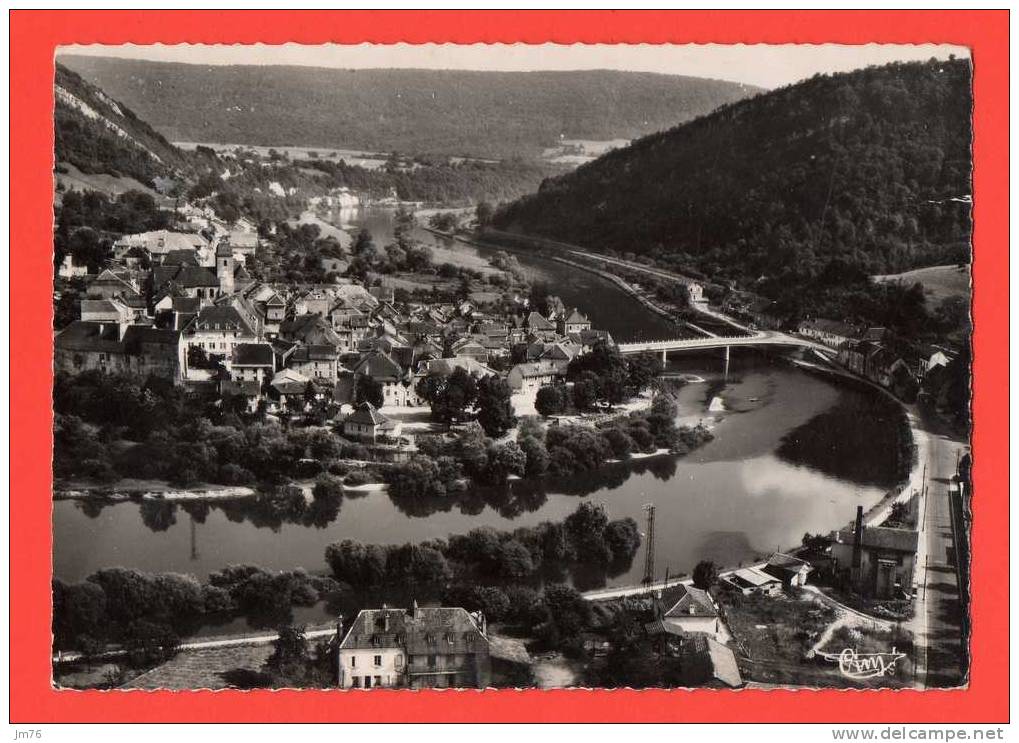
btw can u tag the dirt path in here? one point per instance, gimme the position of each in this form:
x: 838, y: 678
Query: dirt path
x: 554, y: 672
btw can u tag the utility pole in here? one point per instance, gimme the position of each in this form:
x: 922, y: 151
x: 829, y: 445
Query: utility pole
x: 649, y: 555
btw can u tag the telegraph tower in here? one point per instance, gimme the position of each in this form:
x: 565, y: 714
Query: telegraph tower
x: 649, y: 555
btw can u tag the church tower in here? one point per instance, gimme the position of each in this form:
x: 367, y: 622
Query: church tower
x: 225, y: 267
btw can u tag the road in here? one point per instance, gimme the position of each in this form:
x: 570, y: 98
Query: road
x: 206, y: 644
x: 939, y: 623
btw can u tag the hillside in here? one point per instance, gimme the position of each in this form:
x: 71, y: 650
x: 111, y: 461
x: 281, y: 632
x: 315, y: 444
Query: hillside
x: 98, y: 135
x: 797, y: 193
x: 483, y: 114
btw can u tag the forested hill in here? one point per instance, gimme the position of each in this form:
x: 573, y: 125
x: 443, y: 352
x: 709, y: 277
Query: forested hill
x: 484, y: 114
x: 98, y: 134
x: 868, y: 170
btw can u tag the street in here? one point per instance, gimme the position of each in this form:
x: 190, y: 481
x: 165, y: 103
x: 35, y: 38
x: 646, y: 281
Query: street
x: 939, y: 624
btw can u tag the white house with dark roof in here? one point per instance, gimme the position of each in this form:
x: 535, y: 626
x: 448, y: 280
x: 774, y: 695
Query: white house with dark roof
x: 252, y: 362
x: 532, y: 376
x: 398, y: 388
x: 318, y: 362
x: 218, y: 328
x: 366, y: 423
x: 574, y: 322
x: 695, y: 611
x: 416, y: 648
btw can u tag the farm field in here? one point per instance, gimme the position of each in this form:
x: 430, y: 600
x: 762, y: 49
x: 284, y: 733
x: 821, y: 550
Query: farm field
x: 939, y: 282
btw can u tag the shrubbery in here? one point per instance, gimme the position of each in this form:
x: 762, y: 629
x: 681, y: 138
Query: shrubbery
x: 587, y: 537
x: 146, y: 612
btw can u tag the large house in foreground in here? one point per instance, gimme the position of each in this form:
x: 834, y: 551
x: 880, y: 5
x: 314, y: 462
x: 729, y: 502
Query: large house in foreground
x: 416, y: 648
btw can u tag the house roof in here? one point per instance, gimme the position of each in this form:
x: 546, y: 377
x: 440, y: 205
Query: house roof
x: 314, y: 353
x: 577, y: 317
x: 92, y: 306
x: 882, y: 538
x: 540, y: 368
x: 723, y: 660
x: 83, y: 335
x: 752, y: 577
x: 724, y: 668
x: 536, y: 322
x: 222, y: 317
x: 189, y: 277
x: 289, y: 382
x: 252, y: 354
x: 187, y: 304
x: 182, y: 257
x: 591, y: 337
x: 445, y: 367
x: 693, y: 603
x: 367, y: 414
x: 421, y: 631
x: 833, y: 327
x: 109, y: 277
x: 137, y: 335
x: 378, y: 365
x: 782, y: 560
x: 163, y: 241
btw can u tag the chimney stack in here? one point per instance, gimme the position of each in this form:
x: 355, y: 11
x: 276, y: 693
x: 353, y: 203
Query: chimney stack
x: 857, y: 546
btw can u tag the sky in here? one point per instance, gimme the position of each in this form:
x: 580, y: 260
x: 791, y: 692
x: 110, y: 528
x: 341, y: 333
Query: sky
x: 767, y: 66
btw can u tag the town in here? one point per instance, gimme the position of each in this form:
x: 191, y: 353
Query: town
x: 719, y: 483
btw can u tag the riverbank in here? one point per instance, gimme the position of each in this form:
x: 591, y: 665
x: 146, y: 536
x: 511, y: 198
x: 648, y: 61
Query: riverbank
x: 135, y: 489
x: 618, y: 282
x: 914, y: 483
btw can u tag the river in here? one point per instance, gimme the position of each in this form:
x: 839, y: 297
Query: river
x: 793, y: 453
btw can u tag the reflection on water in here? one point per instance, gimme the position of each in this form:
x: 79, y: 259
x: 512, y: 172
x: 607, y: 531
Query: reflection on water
x: 734, y: 500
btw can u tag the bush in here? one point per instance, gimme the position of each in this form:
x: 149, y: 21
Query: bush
x: 234, y: 474
x: 551, y: 400
x: 360, y: 477
x: 327, y: 486
x: 339, y: 469
x: 150, y: 643
x: 705, y: 575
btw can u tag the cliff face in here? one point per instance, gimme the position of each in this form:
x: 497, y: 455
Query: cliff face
x: 98, y: 134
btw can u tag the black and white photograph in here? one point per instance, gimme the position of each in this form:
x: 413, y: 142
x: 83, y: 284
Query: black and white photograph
x: 511, y: 366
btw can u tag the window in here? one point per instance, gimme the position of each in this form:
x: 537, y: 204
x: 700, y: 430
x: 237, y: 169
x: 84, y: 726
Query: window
x: 378, y: 661
x: 356, y: 682
x: 431, y: 661
x: 353, y: 661
x: 368, y: 682
x: 398, y: 661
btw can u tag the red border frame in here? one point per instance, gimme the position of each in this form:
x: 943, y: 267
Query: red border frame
x: 34, y: 36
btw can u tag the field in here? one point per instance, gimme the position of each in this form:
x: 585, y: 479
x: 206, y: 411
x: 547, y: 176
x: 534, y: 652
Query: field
x: 939, y: 282
x: 74, y: 180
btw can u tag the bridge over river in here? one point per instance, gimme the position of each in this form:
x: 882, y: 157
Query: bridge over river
x: 761, y: 338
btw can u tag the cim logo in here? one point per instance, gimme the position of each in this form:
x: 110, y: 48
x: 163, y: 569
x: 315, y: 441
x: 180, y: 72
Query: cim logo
x: 856, y: 665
